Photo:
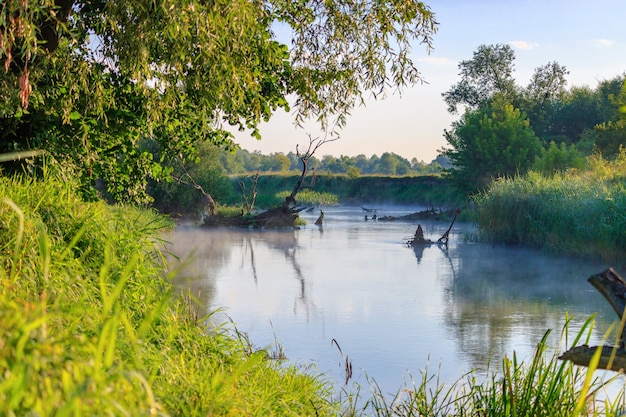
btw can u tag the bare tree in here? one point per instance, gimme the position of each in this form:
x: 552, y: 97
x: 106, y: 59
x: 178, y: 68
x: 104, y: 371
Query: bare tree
x: 314, y: 145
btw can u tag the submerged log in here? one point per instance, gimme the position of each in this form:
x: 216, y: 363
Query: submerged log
x: 611, y: 358
x: 613, y: 288
x: 428, y: 214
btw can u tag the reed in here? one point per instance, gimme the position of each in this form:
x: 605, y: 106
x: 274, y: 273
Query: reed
x: 578, y: 213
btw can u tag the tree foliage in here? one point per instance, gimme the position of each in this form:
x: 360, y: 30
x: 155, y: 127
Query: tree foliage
x: 490, y: 142
x: 567, y: 123
x: 490, y: 71
x: 389, y: 163
x: 98, y: 76
x: 558, y: 159
x: 542, y: 95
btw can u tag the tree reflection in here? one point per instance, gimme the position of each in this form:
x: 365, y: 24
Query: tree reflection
x: 194, y: 258
x: 496, y: 304
x: 286, y: 243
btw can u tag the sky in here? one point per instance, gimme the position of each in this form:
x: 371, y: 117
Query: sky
x: 587, y: 37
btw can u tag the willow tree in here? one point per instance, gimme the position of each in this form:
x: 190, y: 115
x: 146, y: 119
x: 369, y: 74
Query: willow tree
x: 87, y: 80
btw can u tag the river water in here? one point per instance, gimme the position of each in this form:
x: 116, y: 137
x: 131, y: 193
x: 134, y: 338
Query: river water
x: 352, y: 290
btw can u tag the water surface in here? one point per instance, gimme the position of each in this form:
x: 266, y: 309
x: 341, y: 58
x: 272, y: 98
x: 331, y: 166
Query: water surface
x: 393, y: 310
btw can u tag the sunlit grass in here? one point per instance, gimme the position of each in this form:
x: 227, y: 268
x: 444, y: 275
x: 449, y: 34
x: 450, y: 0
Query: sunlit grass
x: 310, y: 197
x: 580, y: 213
x: 88, y: 324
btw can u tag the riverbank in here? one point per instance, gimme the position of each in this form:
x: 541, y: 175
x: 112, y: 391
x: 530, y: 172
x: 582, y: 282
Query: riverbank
x: 89, y: 325
x: 578, y: 213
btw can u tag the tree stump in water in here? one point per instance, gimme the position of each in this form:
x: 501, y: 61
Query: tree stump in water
x: 320, y: 219
x: 613, y: 288
x: 418, y: 238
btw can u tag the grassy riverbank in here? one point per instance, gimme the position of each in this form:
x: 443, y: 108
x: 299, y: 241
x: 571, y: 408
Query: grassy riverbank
x: 576, y: 213
x: 427, y: 190
x: 89, y: 326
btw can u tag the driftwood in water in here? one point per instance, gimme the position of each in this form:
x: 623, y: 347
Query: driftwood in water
x: 320, y: 219
x: 277, y: 217
x: 418, y: 237
x: 428, y: 214
x: 613, y: 288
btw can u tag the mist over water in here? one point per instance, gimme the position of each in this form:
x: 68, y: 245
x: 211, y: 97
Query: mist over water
x: 393, y: 310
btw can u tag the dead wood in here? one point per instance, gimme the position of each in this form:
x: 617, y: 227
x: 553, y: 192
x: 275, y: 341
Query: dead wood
x: 428, y: 214
x: 418, y: 238
x: 613, y: 288
x: 320, y: 219
x: 277, y: 217
x: 611, y: 359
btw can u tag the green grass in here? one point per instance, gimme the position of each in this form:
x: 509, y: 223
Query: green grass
x: 542, y: 386
x: 419, y: 190
x: 579, y: 213
x: 89, y: 325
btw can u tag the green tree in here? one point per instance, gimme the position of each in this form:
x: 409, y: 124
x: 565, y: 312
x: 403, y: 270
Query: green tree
x: 233, y: 162
x: 558, y: 158
x: 490, y: 71
x: 388, y: 164
x: 542, y: 95
x: 279, y: 162
x: 179, y: 71
x: 488, y: 143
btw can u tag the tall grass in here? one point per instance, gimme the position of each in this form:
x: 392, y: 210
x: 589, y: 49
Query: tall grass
x: 543, y: 386
x: 88, y: 324
x: 579, y: 213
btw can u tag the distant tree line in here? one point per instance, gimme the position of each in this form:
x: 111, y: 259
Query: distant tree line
x: 389, y: 163
x: 506, y: 130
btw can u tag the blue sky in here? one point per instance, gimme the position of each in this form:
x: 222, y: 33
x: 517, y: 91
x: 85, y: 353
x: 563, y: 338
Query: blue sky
x: 587, y: 37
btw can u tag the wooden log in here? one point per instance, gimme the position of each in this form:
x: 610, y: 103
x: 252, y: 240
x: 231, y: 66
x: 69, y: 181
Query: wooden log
x: 581, y: 355
x: 613, y: 288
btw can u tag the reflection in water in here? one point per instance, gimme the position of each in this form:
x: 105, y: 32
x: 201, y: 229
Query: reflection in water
x: 512, y: 297
x: 357, y: 283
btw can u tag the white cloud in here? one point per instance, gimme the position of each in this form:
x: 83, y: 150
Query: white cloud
x: 524, y: 44
x: 603, y: 43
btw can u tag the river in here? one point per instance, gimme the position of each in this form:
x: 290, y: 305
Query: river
x: 351, y: 289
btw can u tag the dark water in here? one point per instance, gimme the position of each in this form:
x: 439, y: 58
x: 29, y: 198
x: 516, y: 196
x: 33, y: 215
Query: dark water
x: 394, y: 311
